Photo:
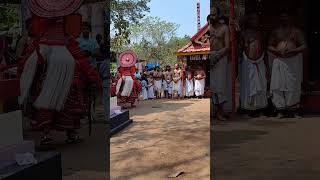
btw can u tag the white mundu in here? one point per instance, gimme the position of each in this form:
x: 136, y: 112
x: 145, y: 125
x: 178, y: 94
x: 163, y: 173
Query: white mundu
x: 199, y: 87
x: 253, y: 83
x: 158, y: 85
x: 219, y: 78
x: 189, y: 89
x: 176, y: 86
x: 286, y: 79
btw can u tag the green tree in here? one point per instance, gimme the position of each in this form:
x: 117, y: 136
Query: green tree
x: 8, y: 16
x: 124, y: 13
x: 155, y: 40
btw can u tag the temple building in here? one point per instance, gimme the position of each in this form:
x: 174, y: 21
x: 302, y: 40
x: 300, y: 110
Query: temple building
x: 196, y: 52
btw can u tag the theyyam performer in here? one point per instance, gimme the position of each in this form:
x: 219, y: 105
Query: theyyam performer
x: 55, y: 76
x: 128, y: 87
x: 254, y: 71
x: 286, y: 46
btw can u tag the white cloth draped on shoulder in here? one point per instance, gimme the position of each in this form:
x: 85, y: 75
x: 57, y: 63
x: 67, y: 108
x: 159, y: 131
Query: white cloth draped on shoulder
x: 199, y: 87
x: 189, y: 88
x: 286, y: 79
x: 253, y: 82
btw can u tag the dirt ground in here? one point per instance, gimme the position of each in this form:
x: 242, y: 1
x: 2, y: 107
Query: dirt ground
x: 166, y: 137
x: 267, y: 149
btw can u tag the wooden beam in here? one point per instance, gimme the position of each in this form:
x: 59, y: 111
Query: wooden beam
x: 191, y: 53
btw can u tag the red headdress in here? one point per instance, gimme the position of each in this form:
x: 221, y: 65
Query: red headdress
x: 53, y: 8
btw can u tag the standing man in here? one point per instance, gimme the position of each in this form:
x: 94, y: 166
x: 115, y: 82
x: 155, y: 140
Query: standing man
x: 189, y: 83
x: 254, y: 68
x: 219, y: 48
x: 286, y: 44
x: 158, y: 76
x: 89, y: 45
x: 167, y: 83
x: 176, y: 86
x: 199, y: 83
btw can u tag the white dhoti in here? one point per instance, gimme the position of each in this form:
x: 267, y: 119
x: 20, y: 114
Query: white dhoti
x: 176, y: 87
x: 151, y: 92
x: 286, y: 79
x: 253, y: 83
x: 145, y: 94
x: 167, y: 86
x: 127, y: 87
x: 221, y: 85
x: 56, y: 85
x: 189, y: 88
x: 199, y: 87
x: 158, y: 85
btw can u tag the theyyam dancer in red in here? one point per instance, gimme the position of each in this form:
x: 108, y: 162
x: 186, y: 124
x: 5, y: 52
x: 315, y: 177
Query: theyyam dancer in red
x: 55, y: 75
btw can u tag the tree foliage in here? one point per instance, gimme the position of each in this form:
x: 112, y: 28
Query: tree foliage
x: 8, y: 16
x: 124, y: 13
x: 156, y: 40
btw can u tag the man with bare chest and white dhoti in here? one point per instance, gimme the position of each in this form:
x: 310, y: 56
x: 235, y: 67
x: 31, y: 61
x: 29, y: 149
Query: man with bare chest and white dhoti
x: 220, y: 70
x: 199, y: 82
x: 254, y: 69
x: 158, y: 76
x: 286, y: 46
x: 167, y: 82
x: 176, y: 85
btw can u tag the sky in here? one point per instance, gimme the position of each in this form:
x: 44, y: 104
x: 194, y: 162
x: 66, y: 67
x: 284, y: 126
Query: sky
x: 182, y: 12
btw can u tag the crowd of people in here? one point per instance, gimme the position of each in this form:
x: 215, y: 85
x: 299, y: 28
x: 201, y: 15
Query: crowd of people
x: 270, y: 70
x: 168, y: 82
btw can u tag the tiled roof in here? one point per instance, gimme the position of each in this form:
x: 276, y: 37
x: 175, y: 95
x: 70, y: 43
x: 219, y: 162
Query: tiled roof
x: 192, y: 46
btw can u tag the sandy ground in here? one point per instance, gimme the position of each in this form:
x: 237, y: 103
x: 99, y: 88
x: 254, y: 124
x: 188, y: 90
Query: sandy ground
x: 166, y: 137
x: 267, y: 149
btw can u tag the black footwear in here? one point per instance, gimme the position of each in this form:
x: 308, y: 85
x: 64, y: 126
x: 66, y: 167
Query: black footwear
x: 73, y: 140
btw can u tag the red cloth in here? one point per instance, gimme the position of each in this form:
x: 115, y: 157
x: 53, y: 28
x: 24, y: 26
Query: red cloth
x: 137, y: 88
x: 76, y: 105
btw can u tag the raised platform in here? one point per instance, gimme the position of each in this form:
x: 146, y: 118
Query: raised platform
x: 119, y: 121
x: 7, y: 154
x: 47, y: 168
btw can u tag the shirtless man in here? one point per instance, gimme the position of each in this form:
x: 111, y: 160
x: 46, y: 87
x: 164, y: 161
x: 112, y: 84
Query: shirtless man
x: 199, y: 83
x: 219, y: 48
x: 158, y: 76
x: 254, y: 68
x: 176, y: 86
x: 286, y: 45
x: 189, y: 83
x: 167, y: 83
